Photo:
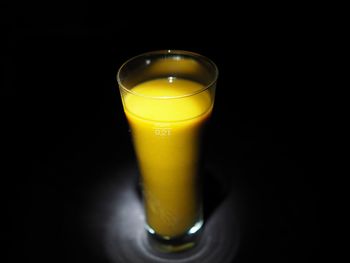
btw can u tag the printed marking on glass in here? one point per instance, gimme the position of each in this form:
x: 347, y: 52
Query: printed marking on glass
x: 162, y: 131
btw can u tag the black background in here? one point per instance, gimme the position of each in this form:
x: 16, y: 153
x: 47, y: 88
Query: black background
x: 64, y: 123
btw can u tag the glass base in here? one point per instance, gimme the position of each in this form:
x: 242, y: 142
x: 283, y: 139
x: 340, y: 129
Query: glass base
x: 176, y: 244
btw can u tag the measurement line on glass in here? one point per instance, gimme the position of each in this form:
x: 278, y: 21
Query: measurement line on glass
x: 162, y: 131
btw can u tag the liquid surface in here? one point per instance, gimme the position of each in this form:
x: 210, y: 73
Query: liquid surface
x: 156, y: 102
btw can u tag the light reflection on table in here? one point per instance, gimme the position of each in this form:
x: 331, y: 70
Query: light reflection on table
x: 117, y: 218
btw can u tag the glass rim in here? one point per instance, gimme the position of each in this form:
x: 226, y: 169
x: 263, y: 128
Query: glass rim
x: 169, y: 51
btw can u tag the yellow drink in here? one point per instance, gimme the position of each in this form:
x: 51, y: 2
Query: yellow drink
x: 166, y: 126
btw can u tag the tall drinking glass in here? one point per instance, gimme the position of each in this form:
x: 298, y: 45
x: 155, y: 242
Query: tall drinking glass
x: 167, y: 97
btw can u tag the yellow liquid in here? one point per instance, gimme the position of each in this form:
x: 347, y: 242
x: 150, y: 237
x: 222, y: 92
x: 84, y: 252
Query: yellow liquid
x: 166, y: 135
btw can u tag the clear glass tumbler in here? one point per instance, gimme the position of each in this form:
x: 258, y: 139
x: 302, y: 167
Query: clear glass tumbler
x: 167, y: 97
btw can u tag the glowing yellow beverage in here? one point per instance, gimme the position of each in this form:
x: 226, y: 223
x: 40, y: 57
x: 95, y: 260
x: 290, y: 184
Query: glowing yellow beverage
x: 166, y: 126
